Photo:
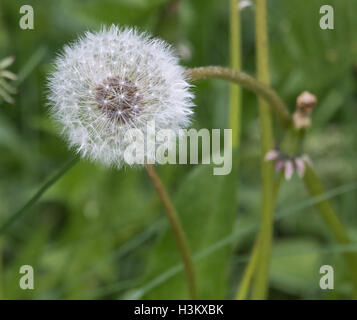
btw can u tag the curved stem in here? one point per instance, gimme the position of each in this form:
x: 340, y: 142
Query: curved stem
x: 246, y: 81
x: 38, y: 194
x: 177, y: 229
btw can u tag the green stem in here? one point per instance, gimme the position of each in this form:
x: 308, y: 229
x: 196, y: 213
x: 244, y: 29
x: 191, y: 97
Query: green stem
x: 38, y: 195
x: 292, y: 145
x: 260, y: 289
x: 269, y: 96
x: 247, y: 82
x: 332, y: 221
x: 235, y: 107
x: 243, y: 290
x: 177, y: 229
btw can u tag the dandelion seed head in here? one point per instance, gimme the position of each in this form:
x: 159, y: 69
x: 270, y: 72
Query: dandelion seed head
x: 110, y: 81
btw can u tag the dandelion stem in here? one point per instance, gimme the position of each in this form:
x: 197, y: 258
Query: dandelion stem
x: 332, y: 221
x: 246, y: 81
x: 177, y: 229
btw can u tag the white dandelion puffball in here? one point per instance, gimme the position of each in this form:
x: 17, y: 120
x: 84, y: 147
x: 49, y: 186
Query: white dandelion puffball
x: 117, y: 79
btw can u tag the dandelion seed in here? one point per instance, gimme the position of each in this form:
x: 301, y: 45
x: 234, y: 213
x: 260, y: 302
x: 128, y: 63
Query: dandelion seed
x: 112, y: 94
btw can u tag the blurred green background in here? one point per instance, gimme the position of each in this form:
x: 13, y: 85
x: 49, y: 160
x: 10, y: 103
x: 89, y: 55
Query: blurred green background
x: 100, y: 233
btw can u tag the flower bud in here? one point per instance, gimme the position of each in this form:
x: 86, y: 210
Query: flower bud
x: 304, y: 106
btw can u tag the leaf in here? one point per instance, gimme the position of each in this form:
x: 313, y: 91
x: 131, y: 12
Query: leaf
x: 207, y: 208
x: 295, y: 265
x: 4, y: 63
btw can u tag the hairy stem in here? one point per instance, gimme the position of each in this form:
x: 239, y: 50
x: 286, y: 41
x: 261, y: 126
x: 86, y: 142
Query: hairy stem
x: 261, y: 286
x: 177, y: 229
x: 332, y: 221
x: 247, y: 82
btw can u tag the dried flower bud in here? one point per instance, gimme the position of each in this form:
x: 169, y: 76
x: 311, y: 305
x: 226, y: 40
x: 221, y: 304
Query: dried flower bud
x: 305, y: 103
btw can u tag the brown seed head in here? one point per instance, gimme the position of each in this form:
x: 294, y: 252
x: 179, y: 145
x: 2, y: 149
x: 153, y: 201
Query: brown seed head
x: 119, y: 99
